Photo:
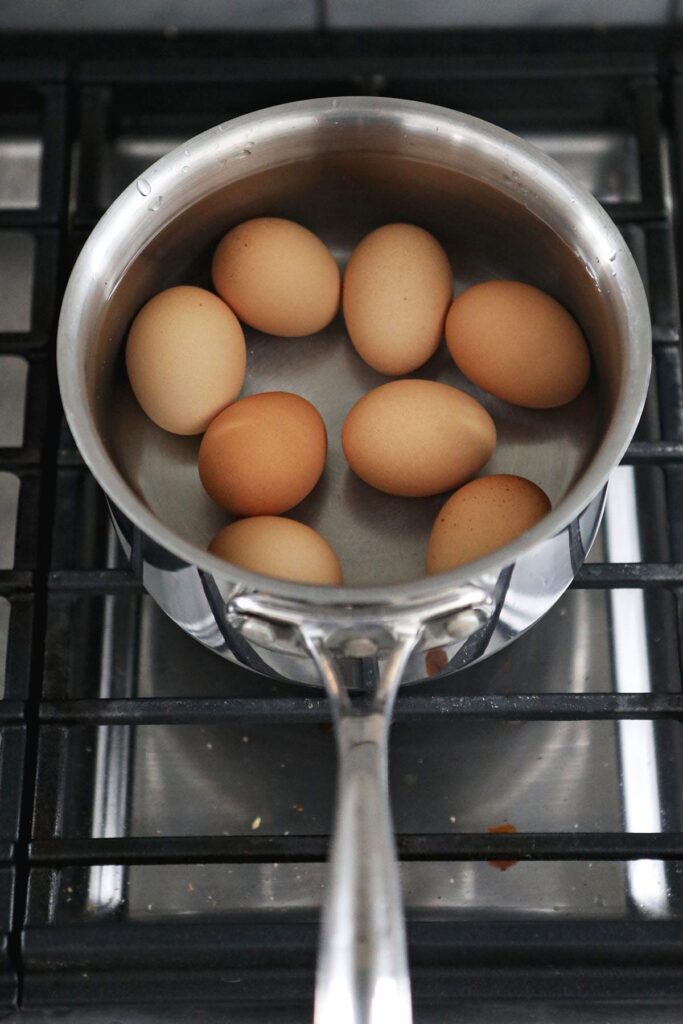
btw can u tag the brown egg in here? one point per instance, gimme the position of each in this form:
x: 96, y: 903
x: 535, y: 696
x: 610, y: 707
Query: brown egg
x: 278, y: 547
x: 264, y: 454
x: 277, y: 276
x: 518, y: 343
x: 185, y: 358
x: 482, y: 516
x: 397, y: 287
x: 417, y: 437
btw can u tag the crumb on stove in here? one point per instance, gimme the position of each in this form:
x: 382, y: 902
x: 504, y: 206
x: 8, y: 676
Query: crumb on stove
x: 256, y: 823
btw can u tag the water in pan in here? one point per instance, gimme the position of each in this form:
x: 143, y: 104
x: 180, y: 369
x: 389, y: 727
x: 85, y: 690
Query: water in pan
x: 379, y: 539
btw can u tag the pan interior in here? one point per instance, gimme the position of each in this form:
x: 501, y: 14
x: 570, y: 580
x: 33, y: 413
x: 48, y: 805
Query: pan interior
x: 379, y: 539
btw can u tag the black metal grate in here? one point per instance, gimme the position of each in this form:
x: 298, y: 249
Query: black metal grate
x: 63, y: 565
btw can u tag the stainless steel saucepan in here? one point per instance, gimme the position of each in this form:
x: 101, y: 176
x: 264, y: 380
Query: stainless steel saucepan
x: 501, y: 209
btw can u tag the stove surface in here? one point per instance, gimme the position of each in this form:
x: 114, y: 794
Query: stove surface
x: 176, y: 808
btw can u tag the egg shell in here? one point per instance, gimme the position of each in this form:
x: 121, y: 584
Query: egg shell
x: 397, y: 288
x: 417, y: 437
x: 518, y: 343
x: 277, y: 276
x: 185, y: 358
x: 264, y: 454
x: 278, y: 547
x: 483, y: 515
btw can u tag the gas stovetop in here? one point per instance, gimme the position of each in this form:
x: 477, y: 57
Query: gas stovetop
x: 164, y: 815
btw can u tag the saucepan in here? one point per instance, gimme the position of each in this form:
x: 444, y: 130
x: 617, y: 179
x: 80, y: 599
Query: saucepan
x: 502, y: 209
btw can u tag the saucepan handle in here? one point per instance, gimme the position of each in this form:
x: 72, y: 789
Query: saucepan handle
x: 362, y: 973
x: 363, y: 968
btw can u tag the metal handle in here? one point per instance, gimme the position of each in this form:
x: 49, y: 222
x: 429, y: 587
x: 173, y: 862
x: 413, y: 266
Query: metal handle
x: 362, y: 973
x: 363, y: 969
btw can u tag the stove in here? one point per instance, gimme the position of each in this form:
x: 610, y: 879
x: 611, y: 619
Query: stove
x: 164, y: 815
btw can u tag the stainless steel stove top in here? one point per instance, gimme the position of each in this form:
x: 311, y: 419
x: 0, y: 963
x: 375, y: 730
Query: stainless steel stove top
x: 462, y: 776
x: 276, y: 778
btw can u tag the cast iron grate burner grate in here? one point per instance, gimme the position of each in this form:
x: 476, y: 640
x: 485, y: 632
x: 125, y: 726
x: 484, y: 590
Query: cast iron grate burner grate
x: 114, y: 884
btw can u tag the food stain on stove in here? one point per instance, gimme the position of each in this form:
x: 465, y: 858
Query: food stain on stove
x: 503, y: 829
x: 435, y: 661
